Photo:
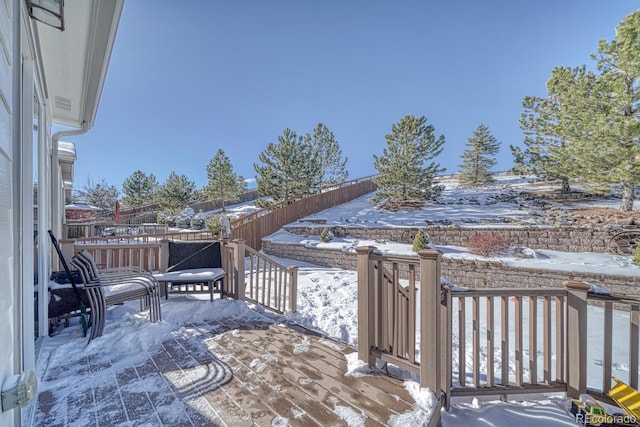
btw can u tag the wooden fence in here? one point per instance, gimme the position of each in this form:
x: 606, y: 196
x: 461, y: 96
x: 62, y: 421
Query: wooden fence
x: 149, y: 212
x: 520, y: 340
x: 264, y: 222
x: 209, y: 205
x: 252, y: 228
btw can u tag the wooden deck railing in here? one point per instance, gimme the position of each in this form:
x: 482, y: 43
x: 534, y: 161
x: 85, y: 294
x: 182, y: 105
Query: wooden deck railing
x: 391, y: 290
x: 506, y: 324
x: 152, y: 237
x: 628, y: 307
x: 114, y: 255
x: 509, y: 341
x: 251, y: 276
x: 392, y: 302
x: 96, y: 230
x: 259, y: 279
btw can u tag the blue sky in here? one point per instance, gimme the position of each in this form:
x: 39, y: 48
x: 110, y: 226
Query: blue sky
x: 189, y: 77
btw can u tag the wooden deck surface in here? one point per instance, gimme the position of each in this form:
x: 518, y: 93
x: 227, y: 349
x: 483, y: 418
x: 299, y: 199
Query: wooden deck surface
x: 233, y: 374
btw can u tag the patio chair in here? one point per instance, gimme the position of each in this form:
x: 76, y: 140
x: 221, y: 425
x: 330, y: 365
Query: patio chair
x: 115, y: 286
x: 191, y: 267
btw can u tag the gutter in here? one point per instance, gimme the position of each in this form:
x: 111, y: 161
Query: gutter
x: 57, y: 193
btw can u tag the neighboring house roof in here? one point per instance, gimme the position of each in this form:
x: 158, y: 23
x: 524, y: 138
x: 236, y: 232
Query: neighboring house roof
x: 66, y: 158
x: 82, y: 207
x: 75, y: 60
x: 67, y: 151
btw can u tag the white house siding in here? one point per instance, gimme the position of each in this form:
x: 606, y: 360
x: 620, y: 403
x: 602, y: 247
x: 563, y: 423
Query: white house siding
x: 9, y: 307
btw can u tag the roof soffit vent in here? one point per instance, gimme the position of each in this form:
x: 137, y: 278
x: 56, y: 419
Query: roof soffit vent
x: 63, y: 103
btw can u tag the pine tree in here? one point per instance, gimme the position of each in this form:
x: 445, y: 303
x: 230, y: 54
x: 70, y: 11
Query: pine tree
x: 139, y: 189
x: 589, y: 126
x: 611, y: 142
x: 100, y: 194
x: 421, y: 241
x: 522, y: 164
x: 289, y: 169
x: 546, y: 126
x: 327, y: 149
x: 223, y: 183
x: 404, y: 176
x: 176, y: 192
x: 479, y: 158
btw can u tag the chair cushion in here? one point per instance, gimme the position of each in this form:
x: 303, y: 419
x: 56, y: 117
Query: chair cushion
x: 124, y: 287
x: 192, y: 255
x: 193, y: 275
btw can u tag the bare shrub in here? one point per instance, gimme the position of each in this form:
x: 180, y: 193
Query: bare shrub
x: 487, y: 244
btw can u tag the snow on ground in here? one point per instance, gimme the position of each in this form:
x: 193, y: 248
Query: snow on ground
x: 237, y: 210
x: 542, y: 259
x: 455, y: 207
x: 495, y: 205
x: 327, y: 301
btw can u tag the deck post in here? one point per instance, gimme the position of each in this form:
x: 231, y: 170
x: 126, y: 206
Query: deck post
x: 67, y: 246
x: 224, y: 254
x: 238, y: 269
x: 576, y: 338
x: 446, y: 323
x: 164, y: 255
x: 293, y: 288
x: 430, y: 318
x: 225, y: 247
x: 365, y: 305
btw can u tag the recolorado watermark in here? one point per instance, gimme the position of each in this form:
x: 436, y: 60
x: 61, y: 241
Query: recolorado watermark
x: 623, y: 419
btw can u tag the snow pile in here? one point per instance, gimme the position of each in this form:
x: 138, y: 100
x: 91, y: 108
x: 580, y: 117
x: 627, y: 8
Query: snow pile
x: 359, y: 368
x: 425, y: 402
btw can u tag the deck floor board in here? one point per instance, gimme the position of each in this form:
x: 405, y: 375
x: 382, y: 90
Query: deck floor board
x: 226, y: 373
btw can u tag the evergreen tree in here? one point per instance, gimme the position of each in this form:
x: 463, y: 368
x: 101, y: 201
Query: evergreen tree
x: 522, y: 164
x: 421, y: 241
x: 100, y: 194
x: 223, y: 183
x: 333, y: 166
x: 611, y: 142
x: 589, y: 126
x: 176, y: 192
x: 139, y: 189
x: 405, y: 177
x: 479, y: 158
x: 289, y: 169
x: 546, y: 126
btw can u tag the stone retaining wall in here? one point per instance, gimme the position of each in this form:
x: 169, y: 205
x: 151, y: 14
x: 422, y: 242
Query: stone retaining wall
x: 470, y: 273
x: 567, y: 239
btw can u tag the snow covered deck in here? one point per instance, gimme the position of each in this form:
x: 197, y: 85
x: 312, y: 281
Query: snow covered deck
x: 228, y: 371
